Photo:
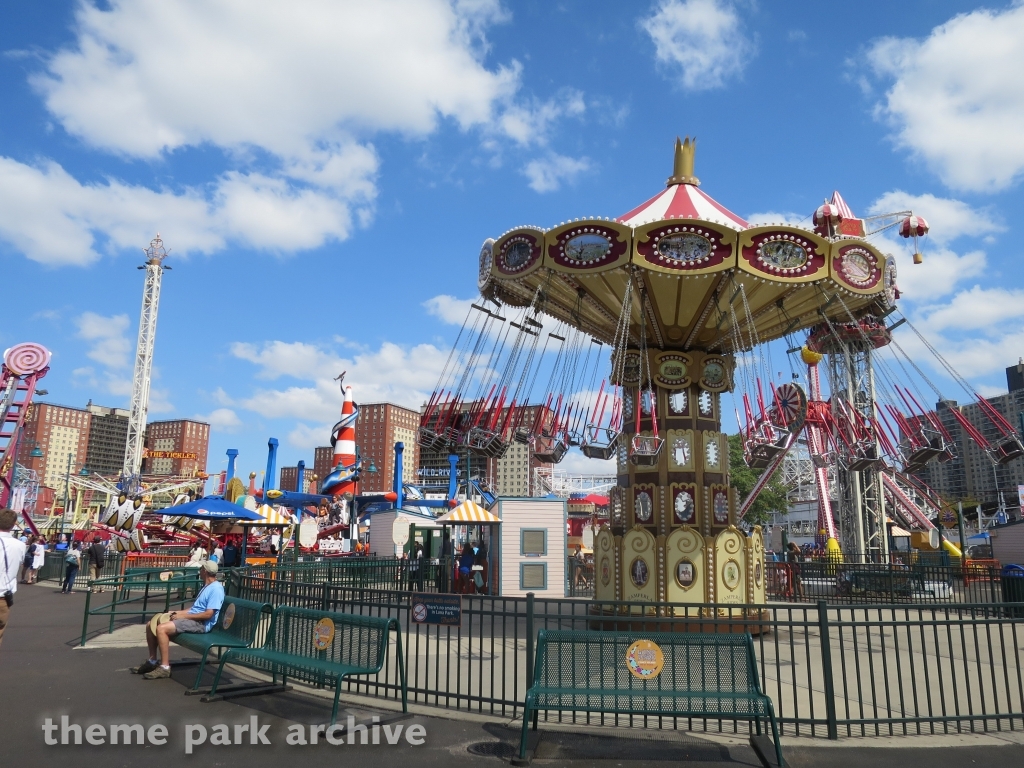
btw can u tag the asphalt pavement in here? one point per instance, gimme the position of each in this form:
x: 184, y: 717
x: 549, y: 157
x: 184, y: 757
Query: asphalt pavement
x: 45, y: 678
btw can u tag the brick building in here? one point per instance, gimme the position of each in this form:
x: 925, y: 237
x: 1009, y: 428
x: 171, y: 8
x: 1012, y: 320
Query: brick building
x: 176, y: 447
x: 290, y: 476
x: 59, y: 431
x: 323, y: 461
x: 378, y: 427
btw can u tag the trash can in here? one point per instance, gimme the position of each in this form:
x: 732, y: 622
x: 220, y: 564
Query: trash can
x: 1013, y: 589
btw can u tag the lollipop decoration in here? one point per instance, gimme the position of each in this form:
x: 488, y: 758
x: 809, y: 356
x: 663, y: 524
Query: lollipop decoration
x: 26, y: 358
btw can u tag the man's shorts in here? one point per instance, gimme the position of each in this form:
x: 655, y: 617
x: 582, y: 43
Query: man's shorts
x: 180, y: 625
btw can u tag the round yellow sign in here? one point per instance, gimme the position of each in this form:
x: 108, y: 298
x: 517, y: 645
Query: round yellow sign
x: 644, y: 659
x: 323, y: 634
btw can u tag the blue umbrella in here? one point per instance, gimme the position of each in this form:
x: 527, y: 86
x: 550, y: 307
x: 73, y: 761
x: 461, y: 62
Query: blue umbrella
x: 211, y: 508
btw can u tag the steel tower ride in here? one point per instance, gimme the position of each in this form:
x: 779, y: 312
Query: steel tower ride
x: 154, y: 266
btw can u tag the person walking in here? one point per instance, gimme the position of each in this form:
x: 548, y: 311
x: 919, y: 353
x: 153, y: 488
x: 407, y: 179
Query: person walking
x: 13, y: 554
x: 38, y: 560
x: 793, y: 559
x: 97, y: 552
x: 72, y: 561
x: 26, y: 563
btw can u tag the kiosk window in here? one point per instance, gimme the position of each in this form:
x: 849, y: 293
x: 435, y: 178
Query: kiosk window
x: 534, y: 542
x: 533, y: 576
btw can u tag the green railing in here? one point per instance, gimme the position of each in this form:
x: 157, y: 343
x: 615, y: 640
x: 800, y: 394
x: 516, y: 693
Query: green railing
x: 139, y: 594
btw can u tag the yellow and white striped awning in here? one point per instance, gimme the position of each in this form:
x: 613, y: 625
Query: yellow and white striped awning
x: 469, y: 512
x: 274, y: 516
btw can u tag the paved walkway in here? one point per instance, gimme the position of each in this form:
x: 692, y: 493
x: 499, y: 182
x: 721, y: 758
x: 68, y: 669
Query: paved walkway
x: 42, y: 675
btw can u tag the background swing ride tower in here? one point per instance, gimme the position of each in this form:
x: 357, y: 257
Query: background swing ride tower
x: 154, y: 266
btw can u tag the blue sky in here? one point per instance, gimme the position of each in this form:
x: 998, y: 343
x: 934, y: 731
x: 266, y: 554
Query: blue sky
x: 324, y: 172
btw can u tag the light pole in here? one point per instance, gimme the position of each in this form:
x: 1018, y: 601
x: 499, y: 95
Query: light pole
x: 67, y: 491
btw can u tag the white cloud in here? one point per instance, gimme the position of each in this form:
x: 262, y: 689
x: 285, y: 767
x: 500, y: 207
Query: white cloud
x: 289, y: 94
x: 576, y: 463
x: 778, y: 217
x: 110, y: 347
x: 957, y: 98
x: 147, y: 77
x: 53, y: 219
x: 391, y: 373
x: 700, y: 40
x: 530, y: 123
x: 448, y: 308
x: 947, y: 219
x: 976, y: 309
x: 548, y: 173
x: 938, y: 276
x: 221, y: 420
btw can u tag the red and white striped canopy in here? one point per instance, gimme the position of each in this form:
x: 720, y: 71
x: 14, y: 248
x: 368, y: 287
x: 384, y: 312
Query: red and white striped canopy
x: 683, y: 201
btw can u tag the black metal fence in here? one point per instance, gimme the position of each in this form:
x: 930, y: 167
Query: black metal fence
x: 851, y: 583
x: 830, y: 670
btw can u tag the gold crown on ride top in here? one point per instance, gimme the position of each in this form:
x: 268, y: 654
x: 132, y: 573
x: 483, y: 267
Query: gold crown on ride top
x: 682, y: 167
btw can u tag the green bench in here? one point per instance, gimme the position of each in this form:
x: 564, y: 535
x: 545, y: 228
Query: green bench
x: 235, y: 628
x: 319, y: 647
x: 674, y: 674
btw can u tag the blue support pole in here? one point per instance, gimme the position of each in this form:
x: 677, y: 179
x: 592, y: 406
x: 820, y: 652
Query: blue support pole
x: 453, y: 476
x: 300, y: 477
x: 270, y: 479
x: 232, y: 455
x: 398, y: 487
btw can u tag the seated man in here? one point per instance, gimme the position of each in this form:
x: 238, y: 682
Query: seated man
x: 201, y: 617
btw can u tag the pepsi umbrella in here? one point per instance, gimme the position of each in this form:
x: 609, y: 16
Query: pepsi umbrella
x: 212, y: 508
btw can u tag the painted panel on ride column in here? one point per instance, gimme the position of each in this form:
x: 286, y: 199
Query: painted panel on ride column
x: 686, y: 567
x: 644, y: 501
x: 639, y: 564
x: 730, y: 567
x: 756, y: 591
x: 604, y: 565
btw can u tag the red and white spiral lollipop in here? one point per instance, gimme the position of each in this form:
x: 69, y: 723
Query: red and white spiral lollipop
x: 27, y: 358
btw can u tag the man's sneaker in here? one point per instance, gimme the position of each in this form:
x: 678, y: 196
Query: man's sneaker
x: 148, y: 666
x: 157, y: 673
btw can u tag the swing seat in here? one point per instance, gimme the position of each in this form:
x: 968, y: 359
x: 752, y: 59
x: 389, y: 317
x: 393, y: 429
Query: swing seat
x: 864, y: 457
x: 919, y: 457
x: 761, y: 455
x: 822, y: 460
x: 645, y: 450
x: 430, y: 440
x: 600, y: 449
x: 1007, y: 449
x: 521, y: 435
x: 549, y: 450
x: 486, y: 443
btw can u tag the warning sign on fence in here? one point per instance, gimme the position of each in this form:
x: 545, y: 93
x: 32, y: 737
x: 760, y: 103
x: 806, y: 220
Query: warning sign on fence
x: 429, y: 608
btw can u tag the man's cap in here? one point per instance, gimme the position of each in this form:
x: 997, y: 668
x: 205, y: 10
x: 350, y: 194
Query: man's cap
x: 209, y: 566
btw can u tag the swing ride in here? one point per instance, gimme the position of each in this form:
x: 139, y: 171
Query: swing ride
x: 684, y: 297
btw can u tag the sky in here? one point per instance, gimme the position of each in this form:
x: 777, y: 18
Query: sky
x: 324, y: 172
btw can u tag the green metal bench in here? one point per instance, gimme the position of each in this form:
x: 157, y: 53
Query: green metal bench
x: 320, y: 647
x: 671, y: 674
x: 235, y: 628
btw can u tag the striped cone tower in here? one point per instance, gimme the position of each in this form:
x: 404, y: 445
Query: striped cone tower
x: 345, y: 445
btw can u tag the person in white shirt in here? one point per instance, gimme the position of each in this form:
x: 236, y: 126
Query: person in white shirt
x: 38, y: 560
x: 12, y: 556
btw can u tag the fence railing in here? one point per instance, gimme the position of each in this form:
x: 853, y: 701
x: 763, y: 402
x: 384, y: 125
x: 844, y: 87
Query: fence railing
x: 138, y: 594
x: 859, y: 583
x: 830, y: 670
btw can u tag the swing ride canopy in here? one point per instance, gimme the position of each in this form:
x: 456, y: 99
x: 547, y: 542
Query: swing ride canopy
x: 711, y: 281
